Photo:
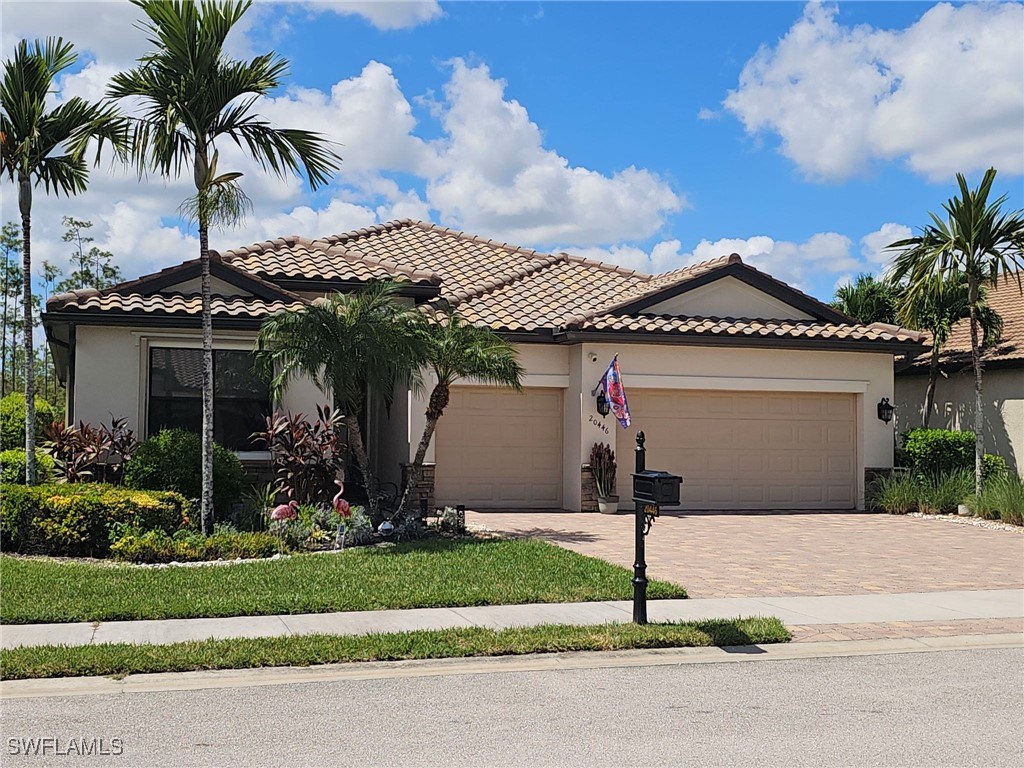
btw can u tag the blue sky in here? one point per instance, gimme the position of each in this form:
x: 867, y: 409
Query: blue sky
x: 606, y: 129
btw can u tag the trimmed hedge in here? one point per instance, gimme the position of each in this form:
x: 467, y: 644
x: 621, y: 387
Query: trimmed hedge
x: 188, y: 546
x: 12, y: 421
x: 941, y: 451
x: 12, y: 466
x: 76, y: 520
x: 172, y: 461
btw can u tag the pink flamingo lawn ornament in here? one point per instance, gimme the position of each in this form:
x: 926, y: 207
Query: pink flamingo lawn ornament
x: 344, y: 510
x: 288, y: 511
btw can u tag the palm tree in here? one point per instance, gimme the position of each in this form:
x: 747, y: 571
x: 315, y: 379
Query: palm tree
x: 937, y: 311
x: 192, y: 96
x: 456, y: 349
x: 868, y: 299
x: 976, y: 242
x: 357, y: 346
x: 45, y: 146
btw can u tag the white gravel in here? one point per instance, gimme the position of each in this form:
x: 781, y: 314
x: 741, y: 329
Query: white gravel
x: 977, y: 522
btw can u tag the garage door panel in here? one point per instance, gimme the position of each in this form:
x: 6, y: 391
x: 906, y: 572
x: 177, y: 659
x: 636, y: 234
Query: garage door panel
x: 759, y: 450
x: 498, y: 449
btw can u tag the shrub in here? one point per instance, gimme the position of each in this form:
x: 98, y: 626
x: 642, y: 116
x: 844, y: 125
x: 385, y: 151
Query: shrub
x: 1002, y: 498
x: 77, y: 519
x: 157, y: 546
x: 12, y: 420
x: 942, y: 493
x: 12, y: 466
x: 896, y: 494
x: 307, y: 456
x: 940, y: 451
x: 172, y: 461
x: 86, y: 452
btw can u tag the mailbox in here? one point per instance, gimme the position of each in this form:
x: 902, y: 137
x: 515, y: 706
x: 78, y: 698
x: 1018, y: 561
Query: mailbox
x: 653, y: 486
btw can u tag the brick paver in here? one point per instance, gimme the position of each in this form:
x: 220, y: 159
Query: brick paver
x: 905, y: 629
x: 780, y: 554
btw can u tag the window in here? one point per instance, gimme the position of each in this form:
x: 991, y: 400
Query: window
x: 241, y: 400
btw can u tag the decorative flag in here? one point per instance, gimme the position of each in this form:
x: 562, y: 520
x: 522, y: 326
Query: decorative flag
x: 615, y: 392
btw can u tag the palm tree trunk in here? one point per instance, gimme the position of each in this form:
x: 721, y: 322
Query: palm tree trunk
x: 355, y: 439
x: 439, y: 397
x: 206, y: 512
x: 979, y: 414
x: 929, y: 393
x: 3, y: 344
x: 25, y: 204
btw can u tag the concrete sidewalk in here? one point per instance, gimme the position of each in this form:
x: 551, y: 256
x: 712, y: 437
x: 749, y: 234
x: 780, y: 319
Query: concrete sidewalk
x: 838, y: 609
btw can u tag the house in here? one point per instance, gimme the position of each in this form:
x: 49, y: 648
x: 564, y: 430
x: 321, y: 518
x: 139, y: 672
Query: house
x: 759, y: 395
x: 1002, y: 383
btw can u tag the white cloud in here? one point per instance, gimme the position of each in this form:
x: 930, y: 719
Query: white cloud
x: 384, y: 14
x: 501, y: 181
x: 946, y: 94
x: 874, y: 245
x: 708, y: 114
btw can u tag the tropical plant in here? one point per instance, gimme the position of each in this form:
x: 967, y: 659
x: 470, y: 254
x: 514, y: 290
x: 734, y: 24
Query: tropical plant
x: 936, y: 310
x: 86, y: 452
x: 977, y: 241
x: 45, y: 146
x: 351, y: 345
x: 308, y: 456
x: 868, y: 299
x: 455, y: 349
x: 193, y: 95
x: 602, y: 466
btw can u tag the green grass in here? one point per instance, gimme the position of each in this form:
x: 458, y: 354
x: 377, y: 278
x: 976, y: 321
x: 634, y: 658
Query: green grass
x: 422, y: 574
x: 124, y: 659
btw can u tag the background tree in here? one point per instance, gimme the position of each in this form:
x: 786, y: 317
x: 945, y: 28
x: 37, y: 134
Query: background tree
x: 356, y: 346
x: 456, y: 349
x: 193, y: 95
x: 93, y: 268
x: 10, y: 284
x: 977, y: 243
x: 50, y: 274
x: 936, y: 311
x: 868, y: 299
x: 45, y: 146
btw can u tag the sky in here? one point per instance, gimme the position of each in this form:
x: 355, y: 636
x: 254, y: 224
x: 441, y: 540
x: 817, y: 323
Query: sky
x: 805, y: 137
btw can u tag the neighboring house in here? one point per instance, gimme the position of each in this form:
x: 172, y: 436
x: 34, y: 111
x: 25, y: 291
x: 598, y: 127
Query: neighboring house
x: 760, y: 396
x: 1002, y: 381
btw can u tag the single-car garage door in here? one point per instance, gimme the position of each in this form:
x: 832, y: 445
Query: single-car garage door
x: 498, y: 449
x: 747, y: 450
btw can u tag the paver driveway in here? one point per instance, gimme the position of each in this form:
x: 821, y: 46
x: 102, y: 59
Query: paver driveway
x: 775, y: 554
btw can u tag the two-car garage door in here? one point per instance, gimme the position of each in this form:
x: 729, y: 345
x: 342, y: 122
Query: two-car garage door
x: 496, y: 449
x: 747, y: 450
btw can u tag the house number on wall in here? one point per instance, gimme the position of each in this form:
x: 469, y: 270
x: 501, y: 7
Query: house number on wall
x: 599, y: 424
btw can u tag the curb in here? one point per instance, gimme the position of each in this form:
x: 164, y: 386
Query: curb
x: 377, y: 670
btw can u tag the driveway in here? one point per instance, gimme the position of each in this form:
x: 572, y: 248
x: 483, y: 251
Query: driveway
x: 799, y: 553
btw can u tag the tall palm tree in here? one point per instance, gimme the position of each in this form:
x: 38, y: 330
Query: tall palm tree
x: 193, y: 95
x: 868, y: 299
x: 45, y: 146
x: 936, y: 311
x: 457, y: 349
x: 357, y: 346
x: 976, y: 242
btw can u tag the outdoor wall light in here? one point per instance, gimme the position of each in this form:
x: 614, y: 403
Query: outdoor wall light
x: 603, y: 406
x: 885, y: 410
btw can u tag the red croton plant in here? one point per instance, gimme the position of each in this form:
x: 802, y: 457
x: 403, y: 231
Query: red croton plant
x: 91, y: 453
x: 308, y: 455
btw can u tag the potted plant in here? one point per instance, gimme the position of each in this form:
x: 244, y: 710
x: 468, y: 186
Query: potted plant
x: 602, y: 465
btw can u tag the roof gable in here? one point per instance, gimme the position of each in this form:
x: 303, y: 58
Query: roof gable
x: 727, y: 297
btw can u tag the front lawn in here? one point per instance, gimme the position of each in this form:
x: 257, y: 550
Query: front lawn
x: 421, y: 574
x: 244, y: 653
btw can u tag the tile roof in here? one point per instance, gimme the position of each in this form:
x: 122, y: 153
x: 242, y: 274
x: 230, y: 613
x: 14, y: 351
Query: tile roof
x: 752, y: 327
x: 298, y: 258
x: 93, y: 300
x: 1008, y: 302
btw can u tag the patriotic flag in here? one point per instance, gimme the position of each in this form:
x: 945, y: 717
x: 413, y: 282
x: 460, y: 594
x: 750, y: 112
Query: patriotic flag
x: 616, y: 394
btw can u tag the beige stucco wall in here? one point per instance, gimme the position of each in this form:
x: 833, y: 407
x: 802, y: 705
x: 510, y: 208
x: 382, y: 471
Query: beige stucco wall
x: 1003, y: 392
x: 727, y: 297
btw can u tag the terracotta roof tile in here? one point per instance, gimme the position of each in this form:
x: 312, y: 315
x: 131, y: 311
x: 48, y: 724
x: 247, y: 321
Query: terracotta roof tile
x: 171, y: 304
x: 1007, y: 300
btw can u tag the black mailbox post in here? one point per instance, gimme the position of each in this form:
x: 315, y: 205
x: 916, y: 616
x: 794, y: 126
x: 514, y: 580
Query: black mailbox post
x: 652, y: 489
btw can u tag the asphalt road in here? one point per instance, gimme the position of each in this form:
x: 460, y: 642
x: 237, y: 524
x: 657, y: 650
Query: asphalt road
x: 950, y: 708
